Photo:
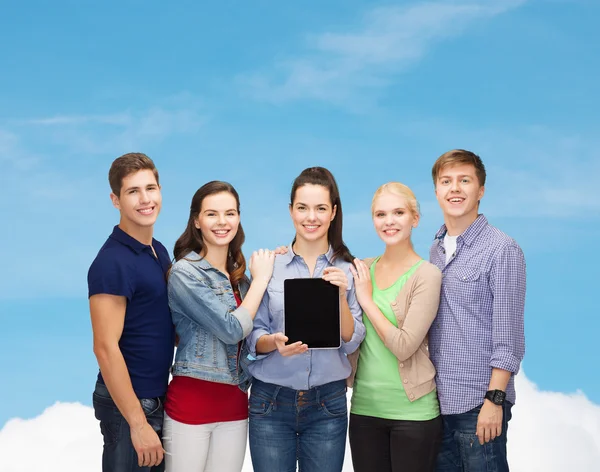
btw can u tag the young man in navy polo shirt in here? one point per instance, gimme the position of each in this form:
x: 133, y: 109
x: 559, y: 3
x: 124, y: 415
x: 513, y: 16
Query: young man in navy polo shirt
x: 131, y: 322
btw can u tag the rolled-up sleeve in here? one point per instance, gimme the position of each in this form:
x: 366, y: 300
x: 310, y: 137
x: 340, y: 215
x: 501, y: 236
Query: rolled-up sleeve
x: 262, y: 326
x: 507, y: 282
x: 359, y: 327
x: 193, y: 299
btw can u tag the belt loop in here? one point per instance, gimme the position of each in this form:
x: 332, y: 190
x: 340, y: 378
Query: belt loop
x: 274, y: 399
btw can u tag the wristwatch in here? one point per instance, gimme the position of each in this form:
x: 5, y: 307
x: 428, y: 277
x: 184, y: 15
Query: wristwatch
x: 497, y: 397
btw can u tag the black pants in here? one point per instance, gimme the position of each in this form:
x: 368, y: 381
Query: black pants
x: 380, y: 445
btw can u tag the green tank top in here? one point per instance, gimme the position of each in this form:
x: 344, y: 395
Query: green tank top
x: 378, y: 390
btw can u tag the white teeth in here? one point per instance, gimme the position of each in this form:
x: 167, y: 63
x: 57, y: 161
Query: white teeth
x: 456, y: 200
x: 221, y: 231
x: 146, y: 211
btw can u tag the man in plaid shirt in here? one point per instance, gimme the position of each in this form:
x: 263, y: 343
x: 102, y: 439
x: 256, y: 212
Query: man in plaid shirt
x: 477, y: 341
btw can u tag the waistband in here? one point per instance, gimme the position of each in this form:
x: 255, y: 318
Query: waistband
x: 314, y: 394
x: 102, y: 390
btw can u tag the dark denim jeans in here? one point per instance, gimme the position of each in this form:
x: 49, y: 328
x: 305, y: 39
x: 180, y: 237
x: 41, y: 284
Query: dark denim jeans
x: 118, y: 454
x: 305, y: 426
x: 461, y: 451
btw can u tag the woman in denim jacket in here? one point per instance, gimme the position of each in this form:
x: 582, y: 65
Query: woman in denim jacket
x: 213, y: 306
x: 298, y: 410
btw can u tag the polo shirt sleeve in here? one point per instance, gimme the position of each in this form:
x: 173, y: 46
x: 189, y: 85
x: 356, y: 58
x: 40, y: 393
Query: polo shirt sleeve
x: 507, y: 282
x: 110, y: 275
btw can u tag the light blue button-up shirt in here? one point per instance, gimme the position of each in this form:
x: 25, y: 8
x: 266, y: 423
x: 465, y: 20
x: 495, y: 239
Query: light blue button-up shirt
x: 316, y: 366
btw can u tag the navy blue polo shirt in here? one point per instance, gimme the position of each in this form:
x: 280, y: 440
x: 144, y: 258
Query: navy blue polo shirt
x: 126, y: 267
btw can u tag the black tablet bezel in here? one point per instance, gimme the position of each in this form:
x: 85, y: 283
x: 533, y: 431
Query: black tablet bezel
x: 309, y: 324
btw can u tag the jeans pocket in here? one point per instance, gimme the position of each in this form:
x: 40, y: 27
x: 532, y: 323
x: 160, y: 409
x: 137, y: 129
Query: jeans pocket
x: 335, y: 405
x: 151, y: 406
x: 476, y: 457
x: 259, y: 406
x: 104, y: 408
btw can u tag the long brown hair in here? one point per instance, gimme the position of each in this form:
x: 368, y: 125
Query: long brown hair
x: 324, y: 178
x: 191, y: 239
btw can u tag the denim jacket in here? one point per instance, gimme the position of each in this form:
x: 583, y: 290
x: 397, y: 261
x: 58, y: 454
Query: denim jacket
x: 208, y: 322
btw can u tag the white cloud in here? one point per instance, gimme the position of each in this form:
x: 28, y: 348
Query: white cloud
x: 550, y: 432
x: 110, y: 133
x: 389, y: 39
x: 117, y: 119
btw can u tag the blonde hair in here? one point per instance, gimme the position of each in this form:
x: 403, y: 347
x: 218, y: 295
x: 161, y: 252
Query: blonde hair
x: 401, y: 190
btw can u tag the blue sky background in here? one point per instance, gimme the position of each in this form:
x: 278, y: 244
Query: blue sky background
x: 254, y: 92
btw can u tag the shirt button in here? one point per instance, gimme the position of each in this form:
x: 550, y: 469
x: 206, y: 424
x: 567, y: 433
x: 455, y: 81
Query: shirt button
x: 405, y: 381
x: 307, y: 369
x: 411, y: 396
x: 401, y: 364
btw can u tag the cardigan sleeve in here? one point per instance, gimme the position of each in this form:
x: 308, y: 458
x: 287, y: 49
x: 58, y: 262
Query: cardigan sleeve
x: 421, y: 311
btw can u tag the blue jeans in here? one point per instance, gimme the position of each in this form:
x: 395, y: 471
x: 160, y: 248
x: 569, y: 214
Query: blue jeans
x: 305, y: 426
x: 118, y: 454
x: 461, y: 451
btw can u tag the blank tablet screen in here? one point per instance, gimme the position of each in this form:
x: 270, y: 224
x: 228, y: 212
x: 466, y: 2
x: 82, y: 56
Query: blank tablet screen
x: 312, y: 312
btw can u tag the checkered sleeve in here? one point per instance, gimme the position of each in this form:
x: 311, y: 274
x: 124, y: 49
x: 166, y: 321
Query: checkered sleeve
x: 507, y: 283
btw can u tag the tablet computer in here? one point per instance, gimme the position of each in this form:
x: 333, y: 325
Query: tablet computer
x: 311, y: 313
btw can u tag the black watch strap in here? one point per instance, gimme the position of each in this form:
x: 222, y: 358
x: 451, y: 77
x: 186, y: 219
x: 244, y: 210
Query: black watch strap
x: 497, y: 397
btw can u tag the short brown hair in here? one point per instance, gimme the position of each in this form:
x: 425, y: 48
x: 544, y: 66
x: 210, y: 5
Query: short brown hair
x: 456, y: 157
x: 128, y: 164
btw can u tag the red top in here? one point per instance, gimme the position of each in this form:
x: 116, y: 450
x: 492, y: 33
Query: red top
x: 195, y: 401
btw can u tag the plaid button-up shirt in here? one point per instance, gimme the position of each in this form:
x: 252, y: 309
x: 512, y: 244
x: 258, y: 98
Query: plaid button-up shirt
x: 479, y: 324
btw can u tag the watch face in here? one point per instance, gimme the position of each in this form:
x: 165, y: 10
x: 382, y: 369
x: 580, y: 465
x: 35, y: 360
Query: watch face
x: 496, y: 396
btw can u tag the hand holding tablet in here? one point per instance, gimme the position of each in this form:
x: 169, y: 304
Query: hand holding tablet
x: 287, y: 350
x: 312, y: 312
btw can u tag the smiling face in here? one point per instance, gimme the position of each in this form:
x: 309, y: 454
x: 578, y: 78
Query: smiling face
x: 140, y: 200
x: 218, y: 220
x: 312, y: 212
x: 458, y: 192
x: 393, y: 219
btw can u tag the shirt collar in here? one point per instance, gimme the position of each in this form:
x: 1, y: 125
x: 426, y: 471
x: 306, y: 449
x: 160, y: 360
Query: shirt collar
x: 121, y: 236
x: 289, y: 256
x: 194, y: 257
x: 468, y: 235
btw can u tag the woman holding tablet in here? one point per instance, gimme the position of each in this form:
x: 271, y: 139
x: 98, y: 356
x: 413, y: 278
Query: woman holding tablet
x: 395, y: 422
x: 297, y: 409
x: 212, y: 306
